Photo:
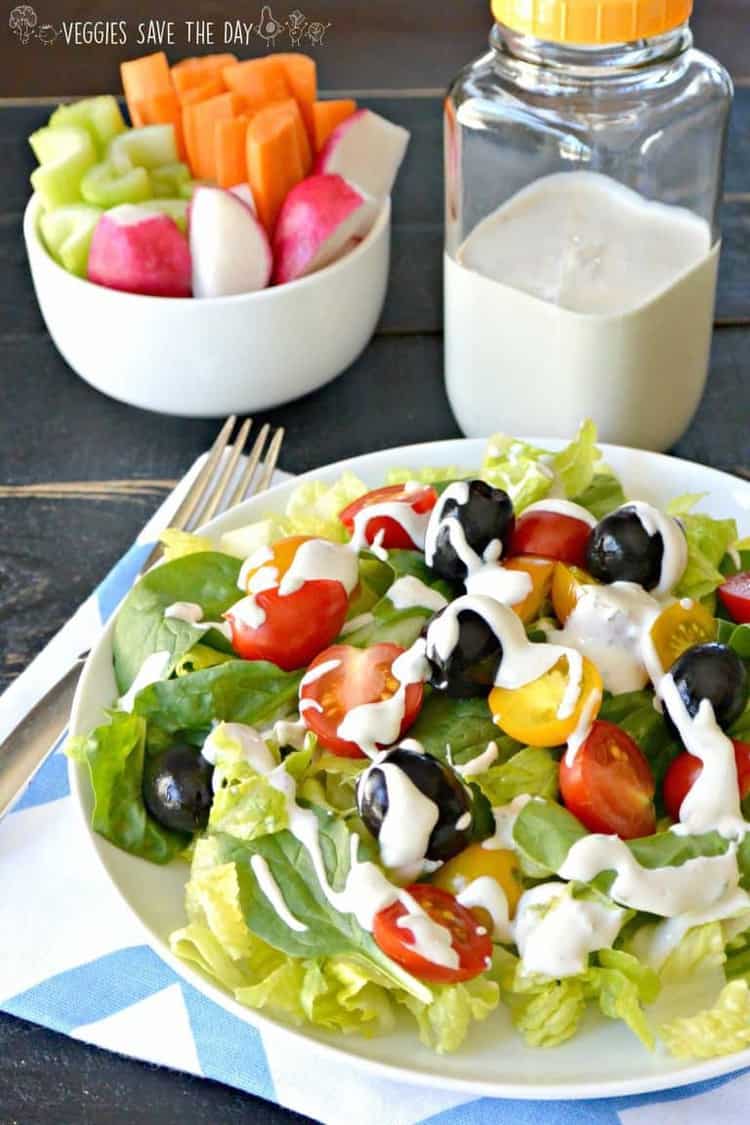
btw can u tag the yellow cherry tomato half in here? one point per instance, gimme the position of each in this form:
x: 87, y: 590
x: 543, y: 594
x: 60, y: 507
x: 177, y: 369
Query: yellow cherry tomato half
x: 530, y: 713
x: 540, y: 572
x: 678, y: 628
x: 282, y: 555
x: 476, y: 862
x: 566, y: 589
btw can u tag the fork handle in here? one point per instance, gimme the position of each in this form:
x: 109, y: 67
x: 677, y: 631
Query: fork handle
x: 30, y: 743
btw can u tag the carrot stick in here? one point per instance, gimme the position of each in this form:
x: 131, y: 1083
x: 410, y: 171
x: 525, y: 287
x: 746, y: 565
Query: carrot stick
x: 274, y: 161
x: 144, y: 78
x: 194, y: 72
x: 204, y: 117
x: 327, y: 117
x: 259, y: 81
x: 230, y: 151
x: 211, y: 88
x: 301, y: 75
x: 163, y: 109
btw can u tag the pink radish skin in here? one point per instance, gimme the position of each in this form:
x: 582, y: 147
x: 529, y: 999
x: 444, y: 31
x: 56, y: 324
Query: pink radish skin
x: 367, y: 150
x: 318, y: 222
x: 137, y: 251
x: 229, y: 247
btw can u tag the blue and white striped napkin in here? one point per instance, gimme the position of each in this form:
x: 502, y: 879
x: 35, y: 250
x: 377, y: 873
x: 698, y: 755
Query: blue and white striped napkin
x: 98, y: 980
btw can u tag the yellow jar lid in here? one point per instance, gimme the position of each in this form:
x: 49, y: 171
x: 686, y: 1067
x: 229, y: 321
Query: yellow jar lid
x: 592, y: 22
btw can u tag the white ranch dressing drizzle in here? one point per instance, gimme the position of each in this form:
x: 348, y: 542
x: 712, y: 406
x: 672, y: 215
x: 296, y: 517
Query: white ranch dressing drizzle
x: 480, y: 763
x: 522, y: 661
x: 653, y: 944
x: 508, y: 587
x: 409, y: 819
x: 374, y: 725
x: 317, y: 673
x: 611, y: 625
x: 259, y: 558
x: 409, y: 592
x: 153, y: 669
x: 555, y: 933
x: 713, y: 801
x: 458, y: 492
x: 505, y: 821
x: 561, y: 508
x: 251, y: 745
x: 675, y: 554
x: 400, y: 511
x: 666, y: 891
x: 486, y: 892
x: 288, y: 732
x: 272, y: 891
x: 192, y: 613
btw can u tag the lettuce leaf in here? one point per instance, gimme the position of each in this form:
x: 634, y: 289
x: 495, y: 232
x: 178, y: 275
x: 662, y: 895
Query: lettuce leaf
x: 574, y: 465
x: 391, y: 625
x: 457, y: 730
x: 177, y: 544
x: 533, y: 771
x: 521, y: 469
x: 444, y: 1023
x: 621, y: 985
x: 440, y: 475
x: 721, y: 1030
x: 199, y: 657
x: 114, y: 755
x: 708, y: 540
x: 603, y: 494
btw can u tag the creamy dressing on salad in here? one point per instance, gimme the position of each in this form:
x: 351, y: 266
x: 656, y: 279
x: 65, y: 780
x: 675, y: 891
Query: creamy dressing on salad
x: 561, y: 507
x: 272, y: 891
x: 675, y: 548
x: 153, y: 669
x: 667, y: 891
x: 486, y: 893
x: 192, y: 613
x: 653, y: 944
x: 713, y: 802
x: 355, y: 623
x: 505, y: 821
x: 250, y: 744
x: 409, y: 819
x: 401, y: 511
x: 481, y: 763
x: 374, y: 725
x: 555, y: 933
x: 409, y: 592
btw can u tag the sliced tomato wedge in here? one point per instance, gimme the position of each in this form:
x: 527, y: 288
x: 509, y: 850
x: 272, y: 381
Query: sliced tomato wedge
x: 679, y: 627
x: 356, y: 676
x: 530, y: 713
x: 540, y: 572
x: 474, y: 948
x: 279, y: 557
x: 567, y: 585
x: 552, y: 535
x: 609, y: 786
x: 295, y: 627
x: 735, y: 594
x: 387, y: 529
x: 684, y: 770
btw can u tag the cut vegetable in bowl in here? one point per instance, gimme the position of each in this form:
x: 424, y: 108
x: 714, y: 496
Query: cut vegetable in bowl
x: 318, y: 221
x: 228, y: 246
x: 139, y: 251
x: 366, y: 149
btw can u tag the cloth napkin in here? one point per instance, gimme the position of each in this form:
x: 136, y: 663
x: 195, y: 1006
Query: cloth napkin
x: 98, y: 980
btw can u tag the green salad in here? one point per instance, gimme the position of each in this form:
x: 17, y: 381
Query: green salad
x: 478, y: 737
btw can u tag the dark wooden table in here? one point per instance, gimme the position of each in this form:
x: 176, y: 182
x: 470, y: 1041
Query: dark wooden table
x: 80, y: 474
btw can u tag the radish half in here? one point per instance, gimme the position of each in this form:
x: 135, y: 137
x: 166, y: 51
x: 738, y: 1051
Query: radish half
x: 320, y: 219
x: 137, y: 250
x: 367, y: 150
x: 229, y: 247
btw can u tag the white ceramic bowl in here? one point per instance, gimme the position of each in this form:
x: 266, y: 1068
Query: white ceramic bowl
x: 604, y: 1059
x: 209, y: 358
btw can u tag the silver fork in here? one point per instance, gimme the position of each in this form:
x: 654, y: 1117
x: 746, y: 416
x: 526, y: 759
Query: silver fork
x: 30, y: 743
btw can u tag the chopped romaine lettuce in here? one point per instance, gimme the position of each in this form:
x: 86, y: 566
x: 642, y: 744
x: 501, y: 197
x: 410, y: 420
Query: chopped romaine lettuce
x: 533, y: 771
x: 709, y: 540
x: 721, y: 1030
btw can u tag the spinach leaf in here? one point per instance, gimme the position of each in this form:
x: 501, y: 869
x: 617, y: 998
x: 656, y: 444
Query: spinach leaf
x: 399, y: 626
x: 532, y: 770
x: 329, y: 933
x: 114, y: 754
x: 459, y: 729
x: 207, y: 578
x: 545, y: 832
x: 240, y: 691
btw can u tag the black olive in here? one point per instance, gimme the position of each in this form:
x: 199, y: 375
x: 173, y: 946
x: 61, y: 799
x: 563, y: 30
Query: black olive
x: 713, y: 672
x: 471, y: 666
x: 437, y: 782
x: 486, y: 515
x: 177, y: 787
x: 621, y: 550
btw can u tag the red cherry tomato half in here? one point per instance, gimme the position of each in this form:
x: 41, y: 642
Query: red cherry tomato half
x: 296, y: 627
x: 394, y: 535
x: 360, y: 675
x: 735, y: 594
x: 609, y: 786
x: 474, y: 948
x: 551, y: 535
x: 684, y: 771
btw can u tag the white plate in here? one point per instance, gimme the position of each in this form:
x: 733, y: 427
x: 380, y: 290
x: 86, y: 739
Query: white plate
x: 604, y: 1059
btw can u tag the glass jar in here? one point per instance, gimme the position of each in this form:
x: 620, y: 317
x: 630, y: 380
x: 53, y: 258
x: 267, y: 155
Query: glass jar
x: 583, y: 172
